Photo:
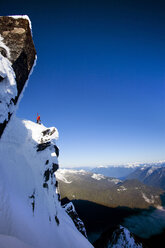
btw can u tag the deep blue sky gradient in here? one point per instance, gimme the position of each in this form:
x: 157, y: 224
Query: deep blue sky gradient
x: 99, y: 78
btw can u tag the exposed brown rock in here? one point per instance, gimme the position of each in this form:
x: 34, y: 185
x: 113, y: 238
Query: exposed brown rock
x: 17, y: 36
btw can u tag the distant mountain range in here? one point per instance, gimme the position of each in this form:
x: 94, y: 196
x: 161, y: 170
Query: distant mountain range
x: 102, y: 202
x: 120, y: 171
x: 150, y: 175
x: 107, y: 191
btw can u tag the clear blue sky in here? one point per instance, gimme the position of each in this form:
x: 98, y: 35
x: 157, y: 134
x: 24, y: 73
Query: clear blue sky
x: 99, y: 78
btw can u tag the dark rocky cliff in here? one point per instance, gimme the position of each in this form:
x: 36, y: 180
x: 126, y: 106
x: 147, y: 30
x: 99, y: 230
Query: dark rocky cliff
x: 15, y: 34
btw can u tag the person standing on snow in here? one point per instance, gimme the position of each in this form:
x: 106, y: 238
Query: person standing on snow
x: 38, y: 119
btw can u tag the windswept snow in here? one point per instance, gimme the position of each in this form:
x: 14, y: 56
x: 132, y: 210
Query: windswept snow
x: 37, y: 132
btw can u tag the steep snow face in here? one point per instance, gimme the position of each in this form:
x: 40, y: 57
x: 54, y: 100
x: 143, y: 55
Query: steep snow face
x: 29, y: 207
x: 8, y: 241
x: 8, y: 88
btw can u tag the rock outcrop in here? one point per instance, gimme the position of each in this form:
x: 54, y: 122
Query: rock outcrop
x: 117, y: 237
x: 70, y: 210
x: 17, y: 51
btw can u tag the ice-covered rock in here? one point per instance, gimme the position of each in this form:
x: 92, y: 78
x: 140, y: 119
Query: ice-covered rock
x: 119, y: 237
x: 17, y: 56
x: 70, y: 210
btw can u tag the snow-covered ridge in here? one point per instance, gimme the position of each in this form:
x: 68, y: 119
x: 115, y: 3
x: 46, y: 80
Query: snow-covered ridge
x: 134, y: 164
x: 38, y: 132
x: 30, y: 199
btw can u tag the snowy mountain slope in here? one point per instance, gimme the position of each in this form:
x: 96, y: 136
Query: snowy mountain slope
x: 9, y: 241
x: 30, y: 211
x: 117, y: 238
x: 25, y: 201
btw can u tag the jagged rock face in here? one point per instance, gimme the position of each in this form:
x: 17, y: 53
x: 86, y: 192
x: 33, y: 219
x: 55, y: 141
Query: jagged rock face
x: 16, y: 48
x: 117, y: 237
x: 70, y: 210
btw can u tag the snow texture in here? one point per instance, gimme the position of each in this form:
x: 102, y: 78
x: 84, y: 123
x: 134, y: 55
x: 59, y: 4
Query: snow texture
x: 28, y: 210
x: 8, y: 88
x: 8, y: 241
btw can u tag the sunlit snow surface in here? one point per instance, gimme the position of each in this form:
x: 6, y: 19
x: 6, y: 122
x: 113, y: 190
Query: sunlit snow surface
x: 21, y: 175
x: 8, y: 88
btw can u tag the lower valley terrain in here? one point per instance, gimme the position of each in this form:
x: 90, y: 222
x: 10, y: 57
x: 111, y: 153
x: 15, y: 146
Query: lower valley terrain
x: 107, y: 203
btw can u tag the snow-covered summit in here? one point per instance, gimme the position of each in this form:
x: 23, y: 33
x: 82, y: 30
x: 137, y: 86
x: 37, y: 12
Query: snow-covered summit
x: 28, y: 188
x: 120, y: 237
